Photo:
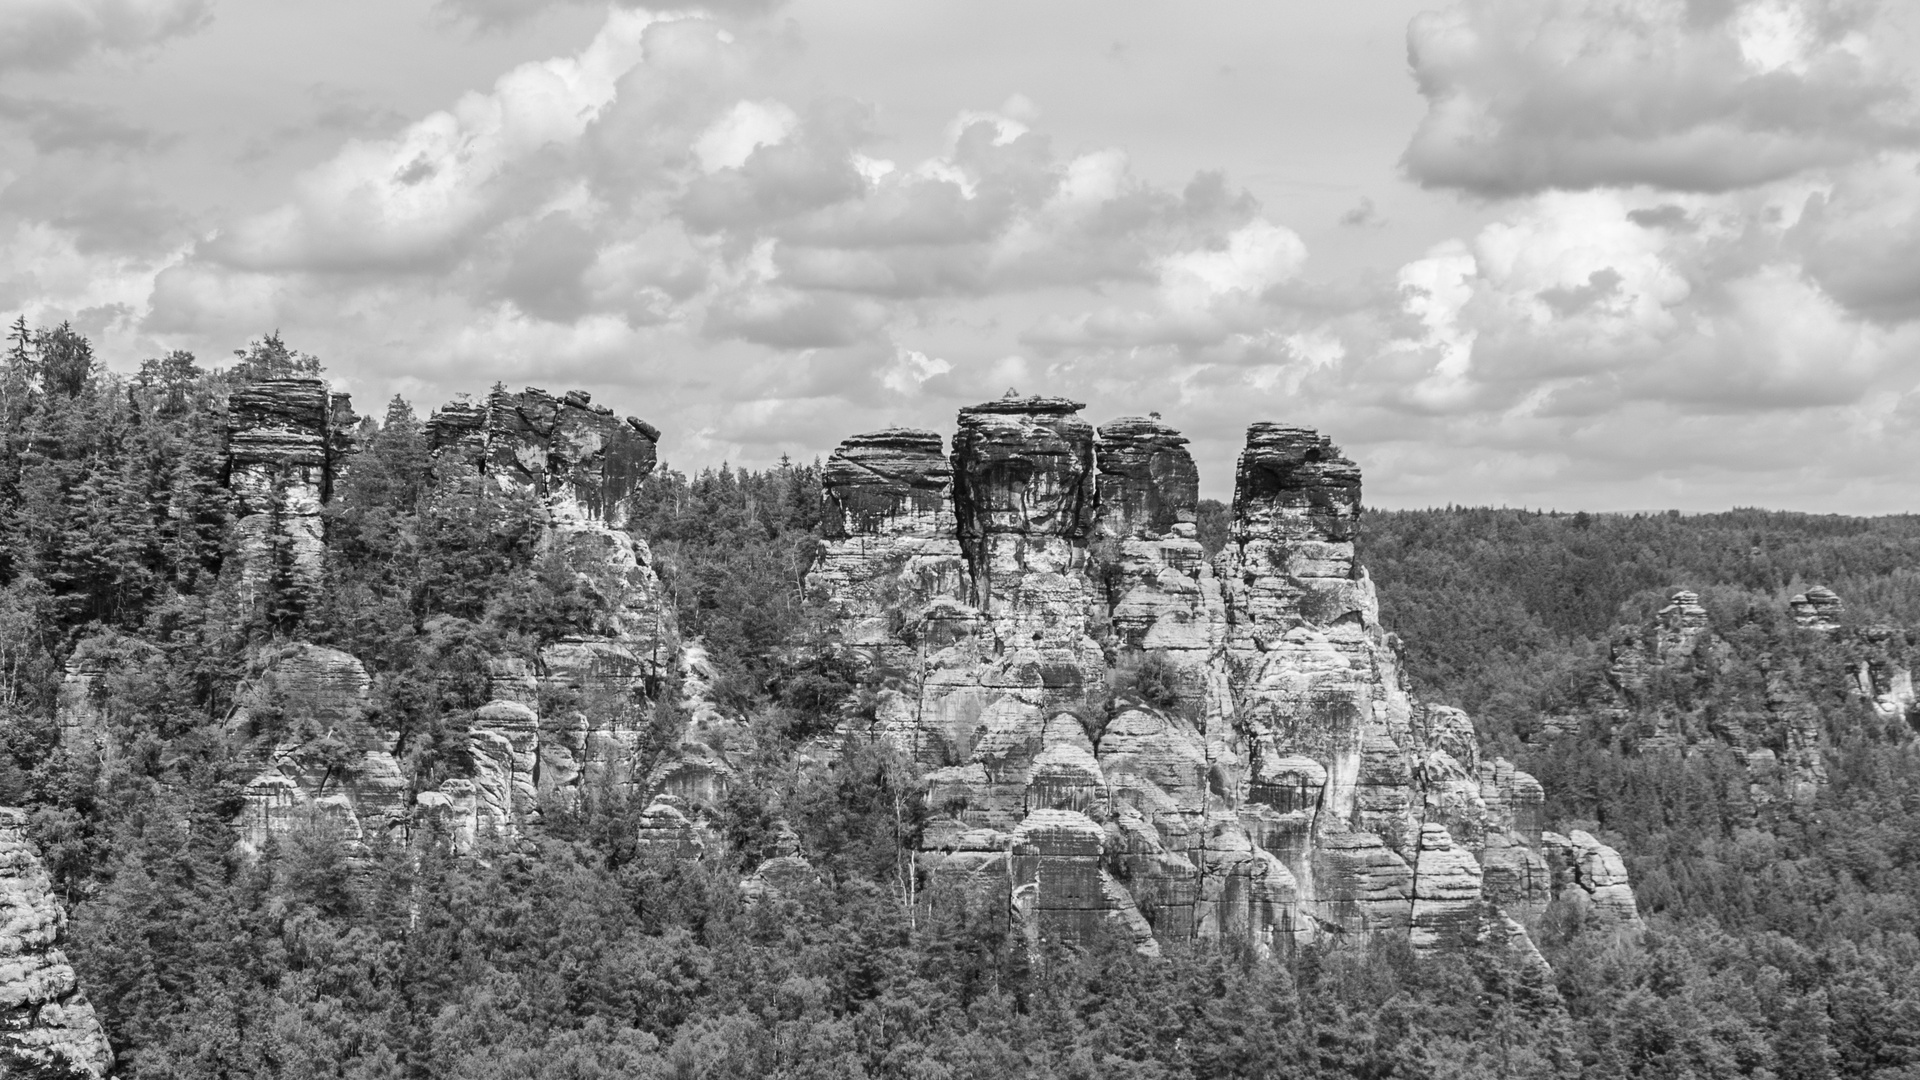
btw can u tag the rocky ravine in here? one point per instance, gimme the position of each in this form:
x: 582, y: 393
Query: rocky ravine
x: 1119, y: 730
x: 48, y: 1030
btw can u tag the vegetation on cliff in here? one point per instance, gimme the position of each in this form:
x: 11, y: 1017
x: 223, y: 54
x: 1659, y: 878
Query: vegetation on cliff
x: 1781, y: 940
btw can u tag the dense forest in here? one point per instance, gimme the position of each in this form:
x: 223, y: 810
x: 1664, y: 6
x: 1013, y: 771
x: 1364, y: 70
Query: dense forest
x: 1782, y: 932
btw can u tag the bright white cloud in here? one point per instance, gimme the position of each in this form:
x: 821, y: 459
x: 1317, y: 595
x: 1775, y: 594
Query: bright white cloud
x: 408, y: 202
x: 910, y: 369
x: 1256, y: 256
x: 745, y: 128
x: 1435, y: 290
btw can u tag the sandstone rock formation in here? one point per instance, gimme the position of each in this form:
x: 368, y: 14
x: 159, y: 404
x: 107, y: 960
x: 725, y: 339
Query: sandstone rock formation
x: 1594, y: 876
x: 577, y: 457
x: 305, y: 716
x: 585, y: 466
x: 1119, y: 731
x: 1819, y: 608
x: 288, y: 443
x: 1783, y: 741
x: 47, y: 1027
x: 568, y: 717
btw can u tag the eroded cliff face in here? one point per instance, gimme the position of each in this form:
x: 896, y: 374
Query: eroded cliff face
x: 573, y: 716
x: 1119, y: 731
x: 568, y: 717
x: 48, y: 1030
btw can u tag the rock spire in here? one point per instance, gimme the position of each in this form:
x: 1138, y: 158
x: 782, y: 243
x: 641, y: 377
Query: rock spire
x: 1120, y: 730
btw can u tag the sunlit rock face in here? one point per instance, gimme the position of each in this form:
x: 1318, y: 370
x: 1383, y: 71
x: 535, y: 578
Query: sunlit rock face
x: 288, y: 443
x: 1819, y: 608
x: 47, y: 1026
x: 1120, y: 732
x: 892, y: 556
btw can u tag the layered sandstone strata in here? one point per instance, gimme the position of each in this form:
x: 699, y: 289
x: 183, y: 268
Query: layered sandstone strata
x: 47, y: 1026
x: 1120, y: 731
x: 1819, y: 608
x: 288, y: 442
x: 892, y: 550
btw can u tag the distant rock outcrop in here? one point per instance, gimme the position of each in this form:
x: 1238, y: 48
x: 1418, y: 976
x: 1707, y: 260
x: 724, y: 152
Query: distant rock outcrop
x: 1781, y: 735
x: 48, y: 1030
x: 1819, y: 608
x: 1121, y: 732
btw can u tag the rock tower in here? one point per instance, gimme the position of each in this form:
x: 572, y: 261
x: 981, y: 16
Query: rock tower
x: 581, y: 466
x: 1118, y: 729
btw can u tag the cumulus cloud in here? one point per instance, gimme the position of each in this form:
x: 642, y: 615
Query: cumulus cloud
x: 412, y: 201
x: 1573, y: 306
x: 52, y: 34
x: 665, y: 175
x: 674, y: 215
x: 1526, y: 95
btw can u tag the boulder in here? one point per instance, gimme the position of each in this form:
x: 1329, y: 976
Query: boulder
x: 1592, y: 876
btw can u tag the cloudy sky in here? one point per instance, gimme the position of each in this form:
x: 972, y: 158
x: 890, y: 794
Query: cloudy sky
x: 1612, y: 254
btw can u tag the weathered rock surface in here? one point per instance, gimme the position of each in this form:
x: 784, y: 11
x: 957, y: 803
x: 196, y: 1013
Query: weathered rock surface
x: 307, y: 708
x: 1819, y: 608
x: 581, y: 460
x: 305, y: 713
x: 892, y: 553
x: 779, y: 878
x: 1594, y: 876
x: 1119, y: 731
x: 1782, y: 742
x: 47, y: 1027
x: 288, y: 442
x: 1147, y: 481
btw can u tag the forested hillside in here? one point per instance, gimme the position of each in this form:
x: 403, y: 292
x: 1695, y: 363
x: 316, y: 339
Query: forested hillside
x: 1781, y: 939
